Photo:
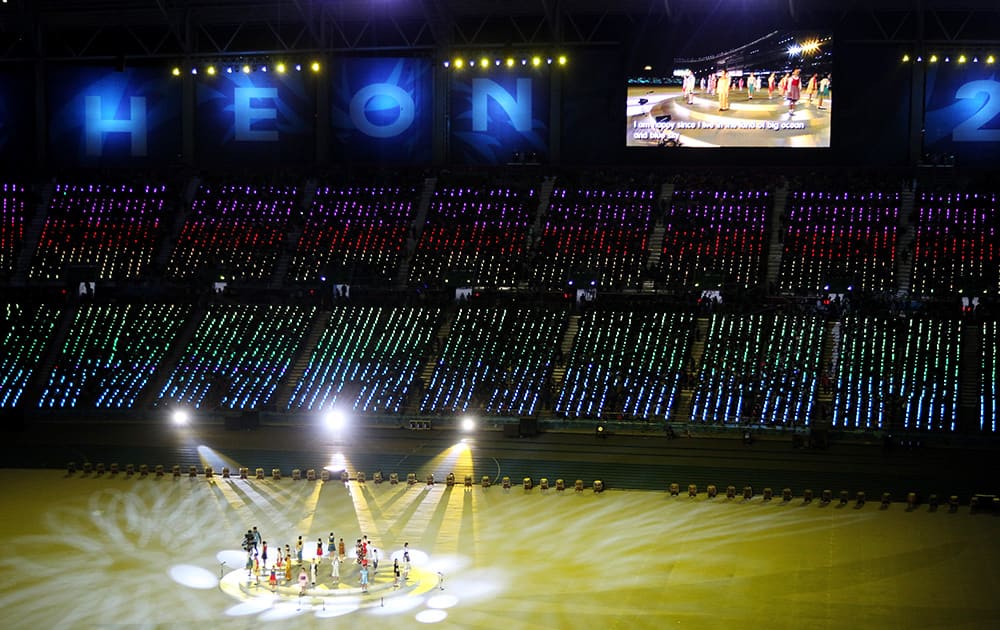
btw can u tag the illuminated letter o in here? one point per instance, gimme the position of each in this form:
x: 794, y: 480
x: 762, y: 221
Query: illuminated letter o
x: 389, y: 92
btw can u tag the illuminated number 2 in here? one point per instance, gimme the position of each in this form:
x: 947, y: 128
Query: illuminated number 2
x: 972, y: 129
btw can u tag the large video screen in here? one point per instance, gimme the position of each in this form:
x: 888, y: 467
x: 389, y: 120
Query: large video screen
x: 772, y: 90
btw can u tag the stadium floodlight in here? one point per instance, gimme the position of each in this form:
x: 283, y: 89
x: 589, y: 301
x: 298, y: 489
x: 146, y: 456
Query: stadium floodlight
x: 468, y: 424
x: 180, y: 417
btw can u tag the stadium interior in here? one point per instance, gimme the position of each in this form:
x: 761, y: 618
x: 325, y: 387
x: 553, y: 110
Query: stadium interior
x: 388, y: 268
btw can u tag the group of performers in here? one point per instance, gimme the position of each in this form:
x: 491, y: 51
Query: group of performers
x: 281, y: 569
x: 789, y: 87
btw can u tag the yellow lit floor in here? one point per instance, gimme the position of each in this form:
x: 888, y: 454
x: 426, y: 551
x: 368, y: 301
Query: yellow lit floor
x: 87, y: 552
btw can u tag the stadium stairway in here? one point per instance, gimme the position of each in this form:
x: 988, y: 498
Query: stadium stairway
x: 907, y: 236
x: 970, y: 379
x: 36, y: 386
x: 774, y: 240
x: 32, y: 231
x: 681, y: 413
x: 148, y: 397
x: 427, y: 371
x: 282, y: 397
x: 569, y: 338
x: 419, y: 219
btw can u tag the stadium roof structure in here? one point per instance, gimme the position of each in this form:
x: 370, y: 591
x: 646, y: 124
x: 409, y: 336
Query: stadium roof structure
x: 88, y: 29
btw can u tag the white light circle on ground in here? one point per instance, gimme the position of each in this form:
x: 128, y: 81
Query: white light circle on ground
x: 395, y: 605
x: 444, y: 564
x: 283, y: 610
x: 232, y: 558
x: 480, y: 585
x: 442, y: 601
x: 193, y: 577
x: 250, y: 607
x: 431, y: 616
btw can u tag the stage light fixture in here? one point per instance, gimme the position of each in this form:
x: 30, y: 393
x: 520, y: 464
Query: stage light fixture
x: 933, y: 59
x: 194, y: 70
x: 263, y: 68
x: 468, y: 424
x: 280, y: 67
x: 246, y: 68
x: 947, y: 59
x: 906, y: 58
x: 210, y: 70
x: 180, y: 417
x: 548, y: 60
x: 472, y: 63
x: 975, y: 59
x: 562, y: 60
x: 458, y: 63
x: 484, y: 62
x: 524, y: 62
x: 536, y: 61
x: 497, y: 62
x: 314, y: 66
x: 298, y: 67
x: 334, y: 419
x: 510, y: 62
x: 961, y: 59
x: 990, y: 59
x: 229, y: 69
x: 176, y: 71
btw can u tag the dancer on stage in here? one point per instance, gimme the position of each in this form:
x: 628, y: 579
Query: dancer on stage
x: 723, y: 90
x: 824, y: 91
x: 331, y: 545
x: 335, y: 569
x: 341, y: 550
x: 771, y: 84
x: 794, y: 91
x: 319, y: 547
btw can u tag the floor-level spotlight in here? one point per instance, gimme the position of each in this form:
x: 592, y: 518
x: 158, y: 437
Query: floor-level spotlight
x: 468, y: 424
x: 334, y: 419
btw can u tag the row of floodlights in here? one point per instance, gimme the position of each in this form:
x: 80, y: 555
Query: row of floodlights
x: 246, y: 68
x: 913, y: 501
x: 961, y: 58
x: 485, y: 63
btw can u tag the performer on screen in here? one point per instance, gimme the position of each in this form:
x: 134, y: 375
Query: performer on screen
x: 824, y: 90
x: 751, y: 87
x: 794, y: 90
x: 772, y: 82
x: 723, y: 90
x: 811, y: 87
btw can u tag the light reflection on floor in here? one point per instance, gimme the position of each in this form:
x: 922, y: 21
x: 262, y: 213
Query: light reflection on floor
x: 149, y: 552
